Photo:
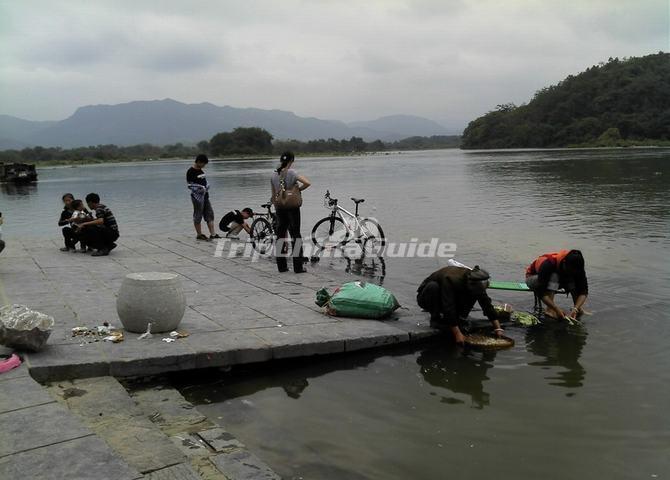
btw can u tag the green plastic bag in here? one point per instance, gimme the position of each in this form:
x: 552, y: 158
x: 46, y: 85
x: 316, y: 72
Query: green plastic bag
x: 358, y: 300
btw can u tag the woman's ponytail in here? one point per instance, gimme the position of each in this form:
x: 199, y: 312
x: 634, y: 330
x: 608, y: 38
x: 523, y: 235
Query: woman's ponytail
x: 286, y: 158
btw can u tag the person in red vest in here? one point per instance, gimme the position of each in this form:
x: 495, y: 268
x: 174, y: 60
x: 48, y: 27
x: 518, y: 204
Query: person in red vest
x: 551, y: 272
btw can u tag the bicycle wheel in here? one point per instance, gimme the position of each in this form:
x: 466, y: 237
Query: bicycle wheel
x: 330, y: 232
x: 262, y: 236
x: 372, y: 238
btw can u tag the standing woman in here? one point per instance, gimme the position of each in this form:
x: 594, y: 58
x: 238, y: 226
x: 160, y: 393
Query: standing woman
x: 197, y: 183
x: 286, y: 185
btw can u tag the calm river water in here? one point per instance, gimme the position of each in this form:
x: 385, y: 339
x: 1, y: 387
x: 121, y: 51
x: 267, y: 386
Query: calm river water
x: 578, y: 402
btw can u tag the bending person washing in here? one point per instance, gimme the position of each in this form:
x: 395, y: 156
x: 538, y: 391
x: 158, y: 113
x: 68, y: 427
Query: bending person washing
x: 552, y: 271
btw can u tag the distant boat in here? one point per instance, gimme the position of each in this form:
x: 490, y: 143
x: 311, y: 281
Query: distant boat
x: 17, y: 173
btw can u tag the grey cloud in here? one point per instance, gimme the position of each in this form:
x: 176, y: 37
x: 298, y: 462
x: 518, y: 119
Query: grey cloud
x: 383, y: 62
x: 176, y: 58
x: 350, y: 60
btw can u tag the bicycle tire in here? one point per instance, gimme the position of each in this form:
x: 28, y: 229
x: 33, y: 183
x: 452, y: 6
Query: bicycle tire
x: 378, y: 238
x: 330, y: 232
x: 262, y: 235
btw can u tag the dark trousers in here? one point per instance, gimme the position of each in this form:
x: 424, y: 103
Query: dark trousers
x: 288, y: 221
x: 428, y: 298
x: 99, y: 237
x: 70, y: 237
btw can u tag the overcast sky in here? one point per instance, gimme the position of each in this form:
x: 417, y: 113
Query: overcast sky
x: 448, y: 60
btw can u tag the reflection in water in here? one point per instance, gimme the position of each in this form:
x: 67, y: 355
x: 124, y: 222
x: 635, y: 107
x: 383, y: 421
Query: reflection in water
x: 590, y: 180
x: 561, y: 347
x: 292, y: 376
x: 370, y: 267
x: 18, y: 189
x: 295, y: 388
x: 447, y: 366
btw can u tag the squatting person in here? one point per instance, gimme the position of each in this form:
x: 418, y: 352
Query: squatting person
x: 101, y: 232
x: 550, y: 272
x: 449, y: 295
x: 64, y: 221
x: 234, y: 222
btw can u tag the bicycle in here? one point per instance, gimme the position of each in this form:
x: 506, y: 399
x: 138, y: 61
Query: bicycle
x: 342, y: 226
x: 263, y: 230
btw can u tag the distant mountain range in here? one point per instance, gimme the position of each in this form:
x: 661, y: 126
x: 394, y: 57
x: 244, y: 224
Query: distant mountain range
x: 162, y: 122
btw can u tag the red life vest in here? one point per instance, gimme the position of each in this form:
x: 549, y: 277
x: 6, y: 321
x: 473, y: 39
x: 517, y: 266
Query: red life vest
x: 555, y: 257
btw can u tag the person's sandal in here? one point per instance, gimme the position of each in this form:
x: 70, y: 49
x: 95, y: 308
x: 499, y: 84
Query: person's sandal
x: 212, y: 237
x: 202, y: 237
x: 100, y: 253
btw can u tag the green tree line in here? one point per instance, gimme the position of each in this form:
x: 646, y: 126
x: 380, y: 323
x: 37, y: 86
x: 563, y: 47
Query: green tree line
x: 243, y: 141
x: 618, y: 103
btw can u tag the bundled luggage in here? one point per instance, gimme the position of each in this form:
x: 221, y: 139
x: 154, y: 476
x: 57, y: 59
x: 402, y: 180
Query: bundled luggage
x: 358, y: 300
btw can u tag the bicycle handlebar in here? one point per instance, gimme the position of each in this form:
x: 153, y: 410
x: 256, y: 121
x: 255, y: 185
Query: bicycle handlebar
x: 327, y: 201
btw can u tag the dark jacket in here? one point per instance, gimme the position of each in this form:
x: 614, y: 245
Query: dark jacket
x: 455, y: 297
x: 65, y: 215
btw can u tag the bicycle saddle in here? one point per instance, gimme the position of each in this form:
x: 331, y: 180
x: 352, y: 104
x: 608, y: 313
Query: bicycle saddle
x: 266, y: 205
x: 357, y: 200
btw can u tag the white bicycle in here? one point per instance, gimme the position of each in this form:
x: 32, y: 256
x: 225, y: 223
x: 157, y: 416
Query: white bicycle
x: 342, y: 226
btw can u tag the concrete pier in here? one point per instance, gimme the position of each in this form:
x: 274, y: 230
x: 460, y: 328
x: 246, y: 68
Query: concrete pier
x: 238, y: 311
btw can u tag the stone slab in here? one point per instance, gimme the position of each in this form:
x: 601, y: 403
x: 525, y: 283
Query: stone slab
x: 243, y: 465
x: 57, y: 362
x: 105, y: 407
x: 182, y: 471
x: 40, y: 426
x: 80, y: 459
x: 301, y: 341
x: 220, y: 440
x: 20, y: 371
x: 22, y: 392
x: 167, y: 408
x: 220, y: 349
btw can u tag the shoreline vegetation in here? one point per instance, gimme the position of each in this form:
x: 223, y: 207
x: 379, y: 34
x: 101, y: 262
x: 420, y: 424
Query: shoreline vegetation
x: 621, y: 103
x: 242, y: 143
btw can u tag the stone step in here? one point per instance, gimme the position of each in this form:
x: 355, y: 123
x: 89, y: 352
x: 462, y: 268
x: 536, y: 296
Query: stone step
x: 158, y: 432
x: 212, y: 451
x: 107, y: 409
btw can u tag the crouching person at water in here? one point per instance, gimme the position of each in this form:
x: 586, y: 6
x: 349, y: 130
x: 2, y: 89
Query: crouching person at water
x: 449, y: 295
x: 552, y: 271
x: 286, y: 186
x: 103, y: 231
x: 234, y: 222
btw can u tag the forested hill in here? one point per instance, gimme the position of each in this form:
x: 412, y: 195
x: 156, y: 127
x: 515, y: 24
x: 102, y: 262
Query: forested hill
x: 618, y: 103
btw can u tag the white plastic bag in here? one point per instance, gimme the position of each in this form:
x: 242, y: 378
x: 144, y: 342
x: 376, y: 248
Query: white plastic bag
x: 23, y: 328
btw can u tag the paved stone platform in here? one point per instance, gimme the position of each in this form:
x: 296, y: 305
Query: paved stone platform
x: 43, y: 439
x: 238, y: 311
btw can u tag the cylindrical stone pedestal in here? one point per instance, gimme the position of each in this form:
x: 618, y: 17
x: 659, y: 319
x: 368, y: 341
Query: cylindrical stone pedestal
x: 151, y: 297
